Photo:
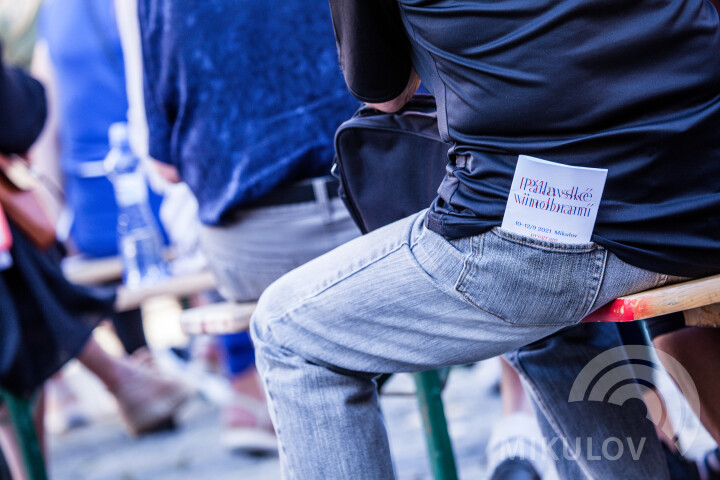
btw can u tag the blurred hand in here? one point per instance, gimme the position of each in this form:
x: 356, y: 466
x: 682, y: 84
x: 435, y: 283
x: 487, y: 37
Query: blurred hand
x: 166, y: 171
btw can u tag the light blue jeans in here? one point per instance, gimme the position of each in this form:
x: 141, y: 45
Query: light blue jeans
x: 404, y: 299
x: 584, y: 438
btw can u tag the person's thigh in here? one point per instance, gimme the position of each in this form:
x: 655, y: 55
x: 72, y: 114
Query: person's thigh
x: 262, y: 244
x: 403, y: 298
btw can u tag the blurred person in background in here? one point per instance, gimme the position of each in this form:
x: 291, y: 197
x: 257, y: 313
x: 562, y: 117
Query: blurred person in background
x: 44, y: 320
x: 79, y: 59
x: 18, y: 29
x: 516, y: 449
x: 243, y: 100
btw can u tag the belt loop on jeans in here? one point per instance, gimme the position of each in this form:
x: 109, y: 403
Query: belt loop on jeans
x: 322, y: 199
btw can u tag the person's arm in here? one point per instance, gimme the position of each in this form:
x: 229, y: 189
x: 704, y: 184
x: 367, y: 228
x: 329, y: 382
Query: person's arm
x: 398, y: 102
x: 126, y: 12
x: 158, y: 87
x: 47, y: 147
x: 374, y: 52
x: 22, y: 110
x: 45, y: 152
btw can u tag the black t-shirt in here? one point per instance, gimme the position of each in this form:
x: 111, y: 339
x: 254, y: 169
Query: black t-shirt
x: 633, y: 87
x: 373, y: 49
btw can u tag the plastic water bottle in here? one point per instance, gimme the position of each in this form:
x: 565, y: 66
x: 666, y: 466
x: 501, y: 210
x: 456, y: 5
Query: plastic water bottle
x: 140, y: 242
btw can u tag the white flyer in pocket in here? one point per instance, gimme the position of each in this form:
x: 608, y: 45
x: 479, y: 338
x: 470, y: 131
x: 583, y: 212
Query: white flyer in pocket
x: 554, y: 202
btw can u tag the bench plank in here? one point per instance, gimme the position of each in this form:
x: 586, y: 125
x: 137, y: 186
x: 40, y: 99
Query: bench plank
x: 176, y: 286
x: 707, y: 316
x: 217, y: 318
x: 660, y: 301
x: 92, y: 271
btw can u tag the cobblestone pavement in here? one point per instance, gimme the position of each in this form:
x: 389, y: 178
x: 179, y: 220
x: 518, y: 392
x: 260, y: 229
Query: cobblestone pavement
x: 102, y: 450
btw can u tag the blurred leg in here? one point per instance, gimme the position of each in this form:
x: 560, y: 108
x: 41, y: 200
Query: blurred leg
x: 110, y: 371
x: 247, y: 425
x: 550, y: 368
x: 633, y: 333
x: 63, y: 409
x: 147, y: 401
x: 698, y: 351
x: 129, y: 329
x: 11, y: 451
x: 514, y: 399
x: 516, y: 447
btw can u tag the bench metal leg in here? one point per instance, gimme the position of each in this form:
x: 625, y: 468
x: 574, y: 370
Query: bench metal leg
x: 21, y: 416
x: 442, y: 460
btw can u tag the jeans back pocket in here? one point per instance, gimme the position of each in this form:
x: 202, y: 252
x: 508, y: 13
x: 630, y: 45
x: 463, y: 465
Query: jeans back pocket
x: 526, y: 281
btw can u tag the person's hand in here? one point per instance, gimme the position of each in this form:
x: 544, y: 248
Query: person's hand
x: 166, y: 171
x: 398, y: 102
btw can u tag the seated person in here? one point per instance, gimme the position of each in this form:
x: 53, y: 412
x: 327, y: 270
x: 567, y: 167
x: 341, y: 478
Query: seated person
x: 79, y: 59
x: 249, y: 126
x: 46, y: 321
x: 449, y: 286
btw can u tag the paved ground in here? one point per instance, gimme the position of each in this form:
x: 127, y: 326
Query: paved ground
x: 102, y: 450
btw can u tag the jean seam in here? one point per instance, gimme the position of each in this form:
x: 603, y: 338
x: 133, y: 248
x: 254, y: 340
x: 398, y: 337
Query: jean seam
x: 518, y: 324
x: 597, y: 281
x: 475, y: 249
x: 271, y: 404
x: 471, y: 302
x: 475, y: 254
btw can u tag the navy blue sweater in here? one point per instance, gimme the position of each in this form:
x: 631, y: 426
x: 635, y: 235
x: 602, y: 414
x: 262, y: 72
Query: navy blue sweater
x: 241, y: 96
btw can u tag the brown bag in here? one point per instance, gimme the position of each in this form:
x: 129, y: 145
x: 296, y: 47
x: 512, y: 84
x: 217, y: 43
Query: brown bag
x: 21, y: 204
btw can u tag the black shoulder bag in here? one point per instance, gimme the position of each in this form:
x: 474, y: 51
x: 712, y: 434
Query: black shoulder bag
x: 389, y: 164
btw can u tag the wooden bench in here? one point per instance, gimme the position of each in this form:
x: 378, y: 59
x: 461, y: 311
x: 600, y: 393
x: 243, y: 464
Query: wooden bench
x: 92, y: 271
x: 698, y: 299
x: 95, y: 271
x: 217, y: 318
x: 178, y: 286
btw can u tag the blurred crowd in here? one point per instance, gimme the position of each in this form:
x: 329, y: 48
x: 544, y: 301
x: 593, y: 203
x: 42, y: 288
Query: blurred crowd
x: 87, y: 56
x: 183, y: 136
